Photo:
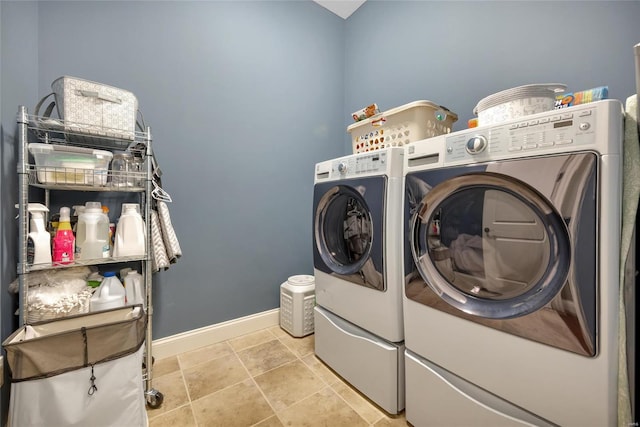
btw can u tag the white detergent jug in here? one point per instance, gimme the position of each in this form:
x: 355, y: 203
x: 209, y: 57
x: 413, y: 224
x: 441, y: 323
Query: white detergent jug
x: 134, y: 289
x: 92, y: 232
x: 110, y: 293
x: 130, y: 232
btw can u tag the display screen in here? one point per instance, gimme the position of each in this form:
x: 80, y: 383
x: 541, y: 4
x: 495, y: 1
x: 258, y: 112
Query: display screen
x: 562, y: 124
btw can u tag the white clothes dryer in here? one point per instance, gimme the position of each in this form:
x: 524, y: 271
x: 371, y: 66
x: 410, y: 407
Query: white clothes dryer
x: 357, y: 241
x: 511, y: 261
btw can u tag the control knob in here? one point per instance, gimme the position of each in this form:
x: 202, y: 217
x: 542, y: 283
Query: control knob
x: 342, y: 167
x: 476, y: 145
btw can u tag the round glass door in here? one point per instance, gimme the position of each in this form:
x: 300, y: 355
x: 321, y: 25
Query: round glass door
x: 490, y: 245
x: 344, y: 230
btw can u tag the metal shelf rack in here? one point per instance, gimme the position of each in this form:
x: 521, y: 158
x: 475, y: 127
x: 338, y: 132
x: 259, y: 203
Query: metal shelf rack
x: 48, y: 131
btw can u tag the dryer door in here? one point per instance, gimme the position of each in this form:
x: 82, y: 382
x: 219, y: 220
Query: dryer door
x: 348, y: 230
x: 514, y: 262
x: 513, y: 253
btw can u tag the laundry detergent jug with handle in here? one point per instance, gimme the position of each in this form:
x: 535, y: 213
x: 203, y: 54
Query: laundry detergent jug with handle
x: 130, y: 232
x: 92, y: 236
x: 110, y: 293
x: 134, y: 289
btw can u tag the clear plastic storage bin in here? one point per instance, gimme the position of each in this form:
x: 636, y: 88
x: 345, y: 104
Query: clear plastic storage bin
x: 67, y: 165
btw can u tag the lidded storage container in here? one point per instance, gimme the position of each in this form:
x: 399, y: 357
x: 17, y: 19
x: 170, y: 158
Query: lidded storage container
x: 401, y: 126
x: 517, y: 102
x: 120, y: 166
x: 297, y: 299
x: 95, y: 111
x: 62, y: 164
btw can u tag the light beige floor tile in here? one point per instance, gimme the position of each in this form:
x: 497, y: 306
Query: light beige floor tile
x: 173, y: 389
x: 182, y: 416
x: 204, y: 354
x: 286, y: 371
x: 321, y: 370
x: 365, y: 408
x: 300, y: 346
x: 249, y: 340
x: 270, y: 422
x: 322, y: 409
x: 209, y: 377
x: 239, y: 405
x: 288, y: 384
x: 278, y: 331
x: 399, y: 420
x: 265, y: 356
x: 165, y: 366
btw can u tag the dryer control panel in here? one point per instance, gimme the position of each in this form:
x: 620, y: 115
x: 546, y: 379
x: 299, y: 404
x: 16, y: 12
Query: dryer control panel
x: 555, y: 130
x: 387, y: 161
x: 360, y: 164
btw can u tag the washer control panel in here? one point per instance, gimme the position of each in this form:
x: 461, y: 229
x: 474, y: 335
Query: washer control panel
x: 359, y: 164
x: 556, y: 128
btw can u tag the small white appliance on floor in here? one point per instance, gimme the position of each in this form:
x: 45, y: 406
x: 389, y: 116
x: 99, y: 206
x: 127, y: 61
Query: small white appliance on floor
x: 297, y: 299
x: 512, y: 271
x: 357, y: 240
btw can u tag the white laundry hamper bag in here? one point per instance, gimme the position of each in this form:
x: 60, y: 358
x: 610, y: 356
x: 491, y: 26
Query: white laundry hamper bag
x: 83, y: 370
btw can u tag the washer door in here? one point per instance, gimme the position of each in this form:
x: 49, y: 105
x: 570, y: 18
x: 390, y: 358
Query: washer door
x: 348, y: 220
x: 490, y: 245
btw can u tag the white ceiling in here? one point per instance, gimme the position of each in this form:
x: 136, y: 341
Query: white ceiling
x: 342, y: 8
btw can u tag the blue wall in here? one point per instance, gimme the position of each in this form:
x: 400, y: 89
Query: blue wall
x: 243, y: 98
x: 456, y: 53
x: 18, y: 74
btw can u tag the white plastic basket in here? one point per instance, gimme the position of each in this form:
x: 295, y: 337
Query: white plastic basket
x: 401, y: 126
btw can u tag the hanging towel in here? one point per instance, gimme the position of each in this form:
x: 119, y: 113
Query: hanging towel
x: 166, y: 248
x: 630, y: 194
x: 160, y: 258
x: 171, y: 243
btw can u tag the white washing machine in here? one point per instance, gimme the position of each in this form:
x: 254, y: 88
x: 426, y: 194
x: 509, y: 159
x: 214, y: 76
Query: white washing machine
x: 357, y: 243
x: 511, y: 265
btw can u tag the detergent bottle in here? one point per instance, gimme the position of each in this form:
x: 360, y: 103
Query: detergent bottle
x: 110, y: 293
x: 64, y: 242
x: 92, y: 237
x: 38, y: 239
x: 134, y: 289
x: 130, y: 232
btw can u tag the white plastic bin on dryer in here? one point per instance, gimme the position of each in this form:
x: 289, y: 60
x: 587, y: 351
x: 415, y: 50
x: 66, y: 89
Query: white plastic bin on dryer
x: 297, y: 299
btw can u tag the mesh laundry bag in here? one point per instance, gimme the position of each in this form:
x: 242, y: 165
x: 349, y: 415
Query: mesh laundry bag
x: 78, y: 371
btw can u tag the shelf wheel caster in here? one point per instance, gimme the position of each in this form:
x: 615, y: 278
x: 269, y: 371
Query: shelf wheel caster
x: 154, y: 398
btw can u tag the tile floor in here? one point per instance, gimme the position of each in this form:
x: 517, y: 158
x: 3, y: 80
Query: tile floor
x: 263, y: 379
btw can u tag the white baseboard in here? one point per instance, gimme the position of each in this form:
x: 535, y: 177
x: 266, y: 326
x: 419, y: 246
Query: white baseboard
x: 202, y: 337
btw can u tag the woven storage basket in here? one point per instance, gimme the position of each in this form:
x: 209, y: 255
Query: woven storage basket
x: 401, y: 126
x: 95, y: 110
